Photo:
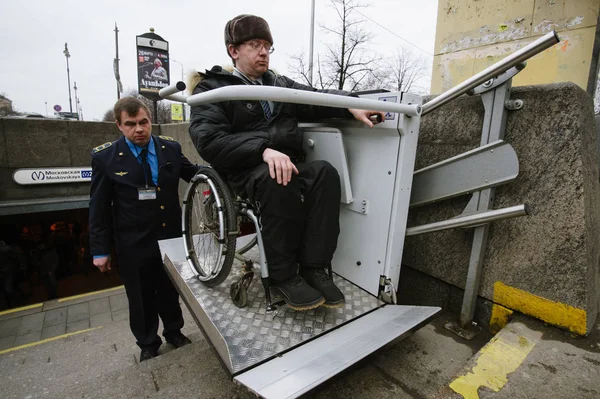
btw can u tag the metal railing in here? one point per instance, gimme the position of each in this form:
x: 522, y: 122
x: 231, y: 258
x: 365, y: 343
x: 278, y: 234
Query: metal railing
x: 282, y: 94
x: 533, y: 48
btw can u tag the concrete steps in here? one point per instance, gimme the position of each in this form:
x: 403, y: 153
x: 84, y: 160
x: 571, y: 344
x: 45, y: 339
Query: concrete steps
x: 88, y: 366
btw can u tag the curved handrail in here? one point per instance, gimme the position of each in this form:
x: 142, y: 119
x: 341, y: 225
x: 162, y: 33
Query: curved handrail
x: 282, y: 94
x: 541, y: 44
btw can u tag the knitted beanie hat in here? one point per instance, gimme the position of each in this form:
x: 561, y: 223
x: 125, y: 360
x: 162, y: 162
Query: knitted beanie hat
x: 246, y: 27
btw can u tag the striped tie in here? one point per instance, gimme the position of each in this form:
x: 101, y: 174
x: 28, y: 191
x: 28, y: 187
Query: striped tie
x: 265, y: 105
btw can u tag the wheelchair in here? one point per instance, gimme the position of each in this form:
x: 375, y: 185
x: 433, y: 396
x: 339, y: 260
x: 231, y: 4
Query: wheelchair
x: 213, y: 219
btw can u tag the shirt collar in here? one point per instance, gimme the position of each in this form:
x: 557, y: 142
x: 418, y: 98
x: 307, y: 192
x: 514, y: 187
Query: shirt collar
x: 245, y: 77
x: 136, y: 149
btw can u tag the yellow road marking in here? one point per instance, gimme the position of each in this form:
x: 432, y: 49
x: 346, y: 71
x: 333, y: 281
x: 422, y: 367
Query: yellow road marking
x: 16, y: 348
x: 70, y: 298
x: 37, y: 305
x: 500, y: 317
x: 501, y: 356
x: 555, y: 313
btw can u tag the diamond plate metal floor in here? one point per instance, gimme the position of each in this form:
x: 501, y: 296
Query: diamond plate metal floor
x: 244, y: 337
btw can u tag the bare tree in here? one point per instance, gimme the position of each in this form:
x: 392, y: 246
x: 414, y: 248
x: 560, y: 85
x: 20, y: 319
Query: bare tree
x: 109, y: 116
x: 347, y: 63
x: 405, y: 71
x: 163, y: 108
x: 299, y: 69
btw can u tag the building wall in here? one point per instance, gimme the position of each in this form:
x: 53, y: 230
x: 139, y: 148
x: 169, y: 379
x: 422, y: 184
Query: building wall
x: 474, y: 34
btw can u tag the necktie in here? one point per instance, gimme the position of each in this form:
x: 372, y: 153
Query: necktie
x: 146, y: 166
x: 265, y: 105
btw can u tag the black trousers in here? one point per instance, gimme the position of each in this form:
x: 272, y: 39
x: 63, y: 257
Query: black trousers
x: 151, y: 294
x: 300, y: 221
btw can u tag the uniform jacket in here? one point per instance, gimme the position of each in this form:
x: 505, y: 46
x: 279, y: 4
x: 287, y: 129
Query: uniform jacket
x: 137, y: 225
x: 232, y: 135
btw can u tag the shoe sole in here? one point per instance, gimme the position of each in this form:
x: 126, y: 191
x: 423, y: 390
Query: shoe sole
x: 296, y: 307
x: 301, y: 308
x: 334, y: 305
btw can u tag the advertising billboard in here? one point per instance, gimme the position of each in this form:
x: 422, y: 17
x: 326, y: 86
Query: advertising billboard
x: 153, y: 64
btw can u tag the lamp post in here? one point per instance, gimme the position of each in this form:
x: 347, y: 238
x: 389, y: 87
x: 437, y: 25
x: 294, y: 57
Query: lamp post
x: 76, y: 99
x: 312, y: 42
x: 67, y: 56
x: 183, y: 104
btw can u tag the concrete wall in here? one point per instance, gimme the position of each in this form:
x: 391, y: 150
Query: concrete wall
x: 32, y: 143
x: 472, y: 35
x: 545, y: 263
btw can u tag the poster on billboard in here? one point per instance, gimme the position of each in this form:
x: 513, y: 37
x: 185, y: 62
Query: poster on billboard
x: 153, y: 64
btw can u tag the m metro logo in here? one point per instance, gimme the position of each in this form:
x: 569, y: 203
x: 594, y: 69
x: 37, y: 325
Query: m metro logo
x: 38, y: 175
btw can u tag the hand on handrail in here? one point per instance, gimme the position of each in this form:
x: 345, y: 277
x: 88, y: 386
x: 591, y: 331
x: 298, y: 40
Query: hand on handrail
x: 369, y: 118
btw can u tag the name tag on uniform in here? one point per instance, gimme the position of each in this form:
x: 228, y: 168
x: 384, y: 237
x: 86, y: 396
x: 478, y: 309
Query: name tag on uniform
x: 145, y: 194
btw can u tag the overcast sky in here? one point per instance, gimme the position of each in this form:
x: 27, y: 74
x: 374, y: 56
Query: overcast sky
x: 34, y: 33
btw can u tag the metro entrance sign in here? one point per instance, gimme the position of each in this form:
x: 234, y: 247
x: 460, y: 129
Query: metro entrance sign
x: 29, y: 176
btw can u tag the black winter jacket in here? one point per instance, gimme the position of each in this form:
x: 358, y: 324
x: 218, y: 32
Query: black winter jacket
x: 232, y: 135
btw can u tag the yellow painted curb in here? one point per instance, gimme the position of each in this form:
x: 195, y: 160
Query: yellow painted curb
x: 555, y: 313
x: 16, y: 348
x: 499, y: 319
x: 9, y: 311
x: 70, y: 298
x: 500, y: 357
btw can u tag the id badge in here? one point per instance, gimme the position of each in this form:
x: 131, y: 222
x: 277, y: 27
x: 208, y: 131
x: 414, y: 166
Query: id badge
x: 148, y: 193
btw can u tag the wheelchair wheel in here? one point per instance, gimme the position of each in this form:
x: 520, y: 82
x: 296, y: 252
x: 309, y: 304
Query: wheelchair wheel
x: 209, y: 227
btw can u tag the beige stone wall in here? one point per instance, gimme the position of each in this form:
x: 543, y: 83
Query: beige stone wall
x: 473, y: 34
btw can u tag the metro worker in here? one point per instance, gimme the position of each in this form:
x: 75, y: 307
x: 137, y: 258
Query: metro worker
x: 257, y: 147
x: 134, y: 196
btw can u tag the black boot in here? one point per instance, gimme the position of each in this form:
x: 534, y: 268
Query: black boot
x: 297, y: 294
x: 321, y: 281
x: 179, y: 340
x: 148, y: 354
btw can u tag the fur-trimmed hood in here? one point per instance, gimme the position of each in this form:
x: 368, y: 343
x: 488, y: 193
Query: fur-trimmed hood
x: 193, y: 78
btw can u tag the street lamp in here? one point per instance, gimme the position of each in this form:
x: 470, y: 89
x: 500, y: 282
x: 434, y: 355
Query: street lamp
x: 67, y: 56
x: 76, y: 99
x: 183, y: 104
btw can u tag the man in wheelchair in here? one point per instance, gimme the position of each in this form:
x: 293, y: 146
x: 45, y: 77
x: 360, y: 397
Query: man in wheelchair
x: 257, y: 147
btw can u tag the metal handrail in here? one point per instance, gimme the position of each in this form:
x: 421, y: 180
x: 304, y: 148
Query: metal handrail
x: 476, y: 219
x: 533, y: 48
x: 282, y: 94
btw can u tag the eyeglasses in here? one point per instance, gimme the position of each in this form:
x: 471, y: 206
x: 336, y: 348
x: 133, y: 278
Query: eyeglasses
x: 257, y: 46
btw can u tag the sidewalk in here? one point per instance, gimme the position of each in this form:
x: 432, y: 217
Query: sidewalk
x: 29, y: 324
x: 527, y: 359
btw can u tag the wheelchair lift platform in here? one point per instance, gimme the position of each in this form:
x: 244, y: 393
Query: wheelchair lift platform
x: 285, y: 354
